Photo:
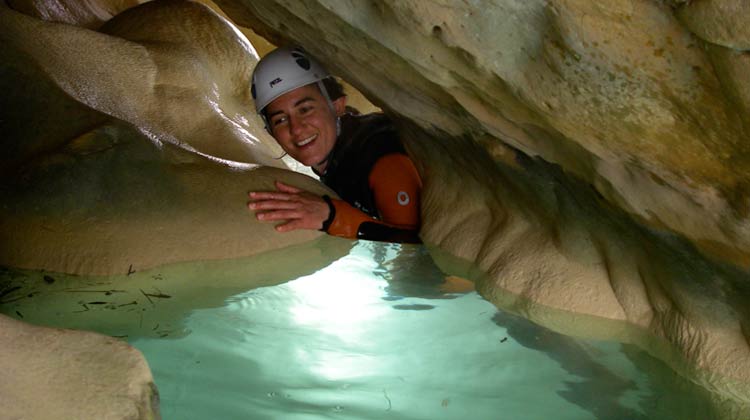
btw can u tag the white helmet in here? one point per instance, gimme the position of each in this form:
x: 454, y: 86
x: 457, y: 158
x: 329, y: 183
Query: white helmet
x: 283, y: 70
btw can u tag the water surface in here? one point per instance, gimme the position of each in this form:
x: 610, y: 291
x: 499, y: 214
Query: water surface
x: 374, y: 335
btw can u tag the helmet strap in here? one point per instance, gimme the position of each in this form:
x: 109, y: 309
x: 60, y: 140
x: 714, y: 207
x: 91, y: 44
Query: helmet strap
x: 266, y: 125
x: 324, y: 92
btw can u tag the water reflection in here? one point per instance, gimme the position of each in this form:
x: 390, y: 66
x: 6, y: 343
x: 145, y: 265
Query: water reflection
x: 153, y: 302
x: 598, y: 392
x: 664, y: 395
x: 411, y: 273
x: 374, y: 334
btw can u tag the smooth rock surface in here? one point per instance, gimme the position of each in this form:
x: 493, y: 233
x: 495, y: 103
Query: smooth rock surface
x: 173, y: 86
x: 112, y: 164
x: 591, y: 158
x: 67, y: 374
x: 553, y: 251
x: 619, y: 93
x: 110, y: 203
x: 721, y: 22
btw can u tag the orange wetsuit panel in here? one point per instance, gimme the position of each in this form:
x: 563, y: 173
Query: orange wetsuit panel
x: 347, y: 220
x: 396, y: 187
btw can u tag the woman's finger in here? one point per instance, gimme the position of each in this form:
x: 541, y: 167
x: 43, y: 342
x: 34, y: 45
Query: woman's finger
x: 268, y: 195
x: 287, y: 188
x: 295, y: 224
x: 286, y: 227
x: 278, y: 215
x: 272, y: 205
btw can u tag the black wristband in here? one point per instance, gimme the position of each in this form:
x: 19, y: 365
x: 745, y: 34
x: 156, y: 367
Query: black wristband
x: 331, y: 213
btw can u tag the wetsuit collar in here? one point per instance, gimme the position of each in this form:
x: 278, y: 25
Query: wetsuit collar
x: 329, y: 157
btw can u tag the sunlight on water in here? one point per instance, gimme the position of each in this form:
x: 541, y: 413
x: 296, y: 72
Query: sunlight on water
x: 340, y: 301
x: 372, y: 336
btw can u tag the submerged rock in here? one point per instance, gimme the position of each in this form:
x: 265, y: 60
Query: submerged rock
x: 73, y: 375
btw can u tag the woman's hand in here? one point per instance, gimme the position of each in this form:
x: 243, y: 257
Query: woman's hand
x: 299, y: 208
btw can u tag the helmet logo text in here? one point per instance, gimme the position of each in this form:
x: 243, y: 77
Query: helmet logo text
x: 275, y: 81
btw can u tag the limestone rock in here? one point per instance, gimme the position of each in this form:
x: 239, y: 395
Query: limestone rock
x: 55, y: 373
x: 591, y: 158
x: 721, y: 22
x: 618, y: 93
x: 111, y: 202
x: 87, y: 14
x: 553, y: 253
x: 623, y: 97
x: 77, y: 202
x: 152, y: 71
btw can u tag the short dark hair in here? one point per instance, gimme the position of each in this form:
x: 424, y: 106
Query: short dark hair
x: 333, y: 87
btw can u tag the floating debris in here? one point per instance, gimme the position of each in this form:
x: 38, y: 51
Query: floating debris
x: 85, y: 308
x: 15, y: 298
x: 48, y: 279
x: 147, y: 296
x: 385, y: 394
x: 9, y: 291
x: 414, y: 307
x: 19, y: 314
x: 159, y: 295
x: 106, y: 292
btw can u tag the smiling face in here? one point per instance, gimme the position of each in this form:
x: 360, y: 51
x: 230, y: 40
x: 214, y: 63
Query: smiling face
x: 304, y: 125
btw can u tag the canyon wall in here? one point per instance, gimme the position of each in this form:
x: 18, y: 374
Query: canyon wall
x: 591, y: 158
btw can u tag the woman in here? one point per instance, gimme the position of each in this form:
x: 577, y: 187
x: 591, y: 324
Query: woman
x: 358, y: 156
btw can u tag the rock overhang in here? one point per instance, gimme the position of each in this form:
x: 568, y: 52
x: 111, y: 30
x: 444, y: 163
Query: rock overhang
x: 628, y: 97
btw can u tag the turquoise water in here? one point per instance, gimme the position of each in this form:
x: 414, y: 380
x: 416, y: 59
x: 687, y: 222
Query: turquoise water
x: 373, y: 336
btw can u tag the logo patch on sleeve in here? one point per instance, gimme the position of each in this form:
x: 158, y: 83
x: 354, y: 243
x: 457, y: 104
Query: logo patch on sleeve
x: 403, y: 198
